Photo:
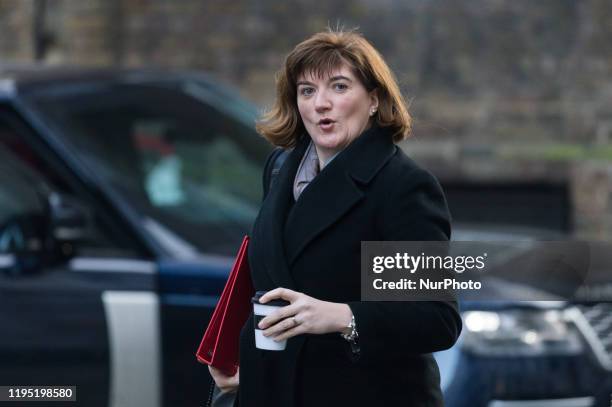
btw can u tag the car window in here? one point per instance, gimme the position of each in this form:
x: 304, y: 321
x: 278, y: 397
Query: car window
x: 27, y: 182
x: 189, y: 168
x: 21, y: 205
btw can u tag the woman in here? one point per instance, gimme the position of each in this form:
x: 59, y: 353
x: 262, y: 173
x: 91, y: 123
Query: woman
x: 340, y: 110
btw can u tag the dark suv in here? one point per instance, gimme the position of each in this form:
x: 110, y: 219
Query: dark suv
x: 123, y: 197
x: 532, y: 353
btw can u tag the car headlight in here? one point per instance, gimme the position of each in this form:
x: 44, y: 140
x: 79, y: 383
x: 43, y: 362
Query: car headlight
x: 520, y: 332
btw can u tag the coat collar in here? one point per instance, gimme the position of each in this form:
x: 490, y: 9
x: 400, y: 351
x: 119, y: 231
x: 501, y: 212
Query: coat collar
x: 369, y: 153
x: 328, y: 197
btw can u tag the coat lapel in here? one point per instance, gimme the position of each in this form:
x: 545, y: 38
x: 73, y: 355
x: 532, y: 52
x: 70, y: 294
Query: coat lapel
x: 336, y: 189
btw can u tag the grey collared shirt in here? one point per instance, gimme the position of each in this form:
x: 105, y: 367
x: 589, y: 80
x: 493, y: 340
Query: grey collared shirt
x: 307, y: 170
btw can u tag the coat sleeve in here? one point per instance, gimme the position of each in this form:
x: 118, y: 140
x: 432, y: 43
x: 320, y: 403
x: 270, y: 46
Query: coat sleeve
x: 415, y: 210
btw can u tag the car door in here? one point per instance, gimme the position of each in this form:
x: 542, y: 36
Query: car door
x: 78, y: 305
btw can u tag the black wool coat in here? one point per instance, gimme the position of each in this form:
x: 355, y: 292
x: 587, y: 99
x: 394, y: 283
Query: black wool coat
x: 370, y: 191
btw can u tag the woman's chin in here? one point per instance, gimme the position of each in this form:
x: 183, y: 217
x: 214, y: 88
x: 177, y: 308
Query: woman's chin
x: 330, y: 145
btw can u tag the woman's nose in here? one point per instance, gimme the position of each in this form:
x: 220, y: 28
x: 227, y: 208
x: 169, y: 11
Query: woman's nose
x: 322, y: 102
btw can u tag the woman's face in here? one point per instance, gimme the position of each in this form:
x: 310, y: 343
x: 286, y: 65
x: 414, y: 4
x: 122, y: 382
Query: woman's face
x: 335, y: 109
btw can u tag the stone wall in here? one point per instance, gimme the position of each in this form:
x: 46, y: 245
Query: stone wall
x: 475, y: 70
x: 16, y: 40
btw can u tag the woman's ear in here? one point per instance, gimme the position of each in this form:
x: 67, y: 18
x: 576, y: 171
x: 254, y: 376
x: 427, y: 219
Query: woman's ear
x: 374, y: 100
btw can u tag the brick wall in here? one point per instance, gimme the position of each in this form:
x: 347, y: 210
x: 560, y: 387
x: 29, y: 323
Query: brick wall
x: 16, y: 43
x: 472, y: 69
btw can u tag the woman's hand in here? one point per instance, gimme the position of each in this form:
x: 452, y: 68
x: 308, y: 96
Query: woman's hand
x: 224, y: 382
x: 304, y: 315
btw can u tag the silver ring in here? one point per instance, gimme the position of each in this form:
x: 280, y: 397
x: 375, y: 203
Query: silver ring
x: 295, y: 321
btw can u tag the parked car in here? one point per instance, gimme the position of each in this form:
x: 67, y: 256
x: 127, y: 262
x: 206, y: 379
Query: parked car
x: 124, y: 195
x: 530, y: 353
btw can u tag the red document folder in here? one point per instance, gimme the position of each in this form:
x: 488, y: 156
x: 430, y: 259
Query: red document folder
x: 219, y: 346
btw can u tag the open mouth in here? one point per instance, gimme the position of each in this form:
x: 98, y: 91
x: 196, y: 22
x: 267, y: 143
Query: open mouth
x: 326, y: 124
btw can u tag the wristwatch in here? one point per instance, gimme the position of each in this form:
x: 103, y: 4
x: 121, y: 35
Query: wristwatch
x: 352, y: 335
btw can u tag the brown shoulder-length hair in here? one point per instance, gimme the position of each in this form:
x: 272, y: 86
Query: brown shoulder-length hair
x: 321, y: 54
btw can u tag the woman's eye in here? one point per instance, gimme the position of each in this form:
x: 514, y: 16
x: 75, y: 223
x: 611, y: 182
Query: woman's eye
x: 340, y: 86
x: 306, y: 91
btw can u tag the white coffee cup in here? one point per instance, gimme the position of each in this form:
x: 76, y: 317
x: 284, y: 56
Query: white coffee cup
x: 260, y: 311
